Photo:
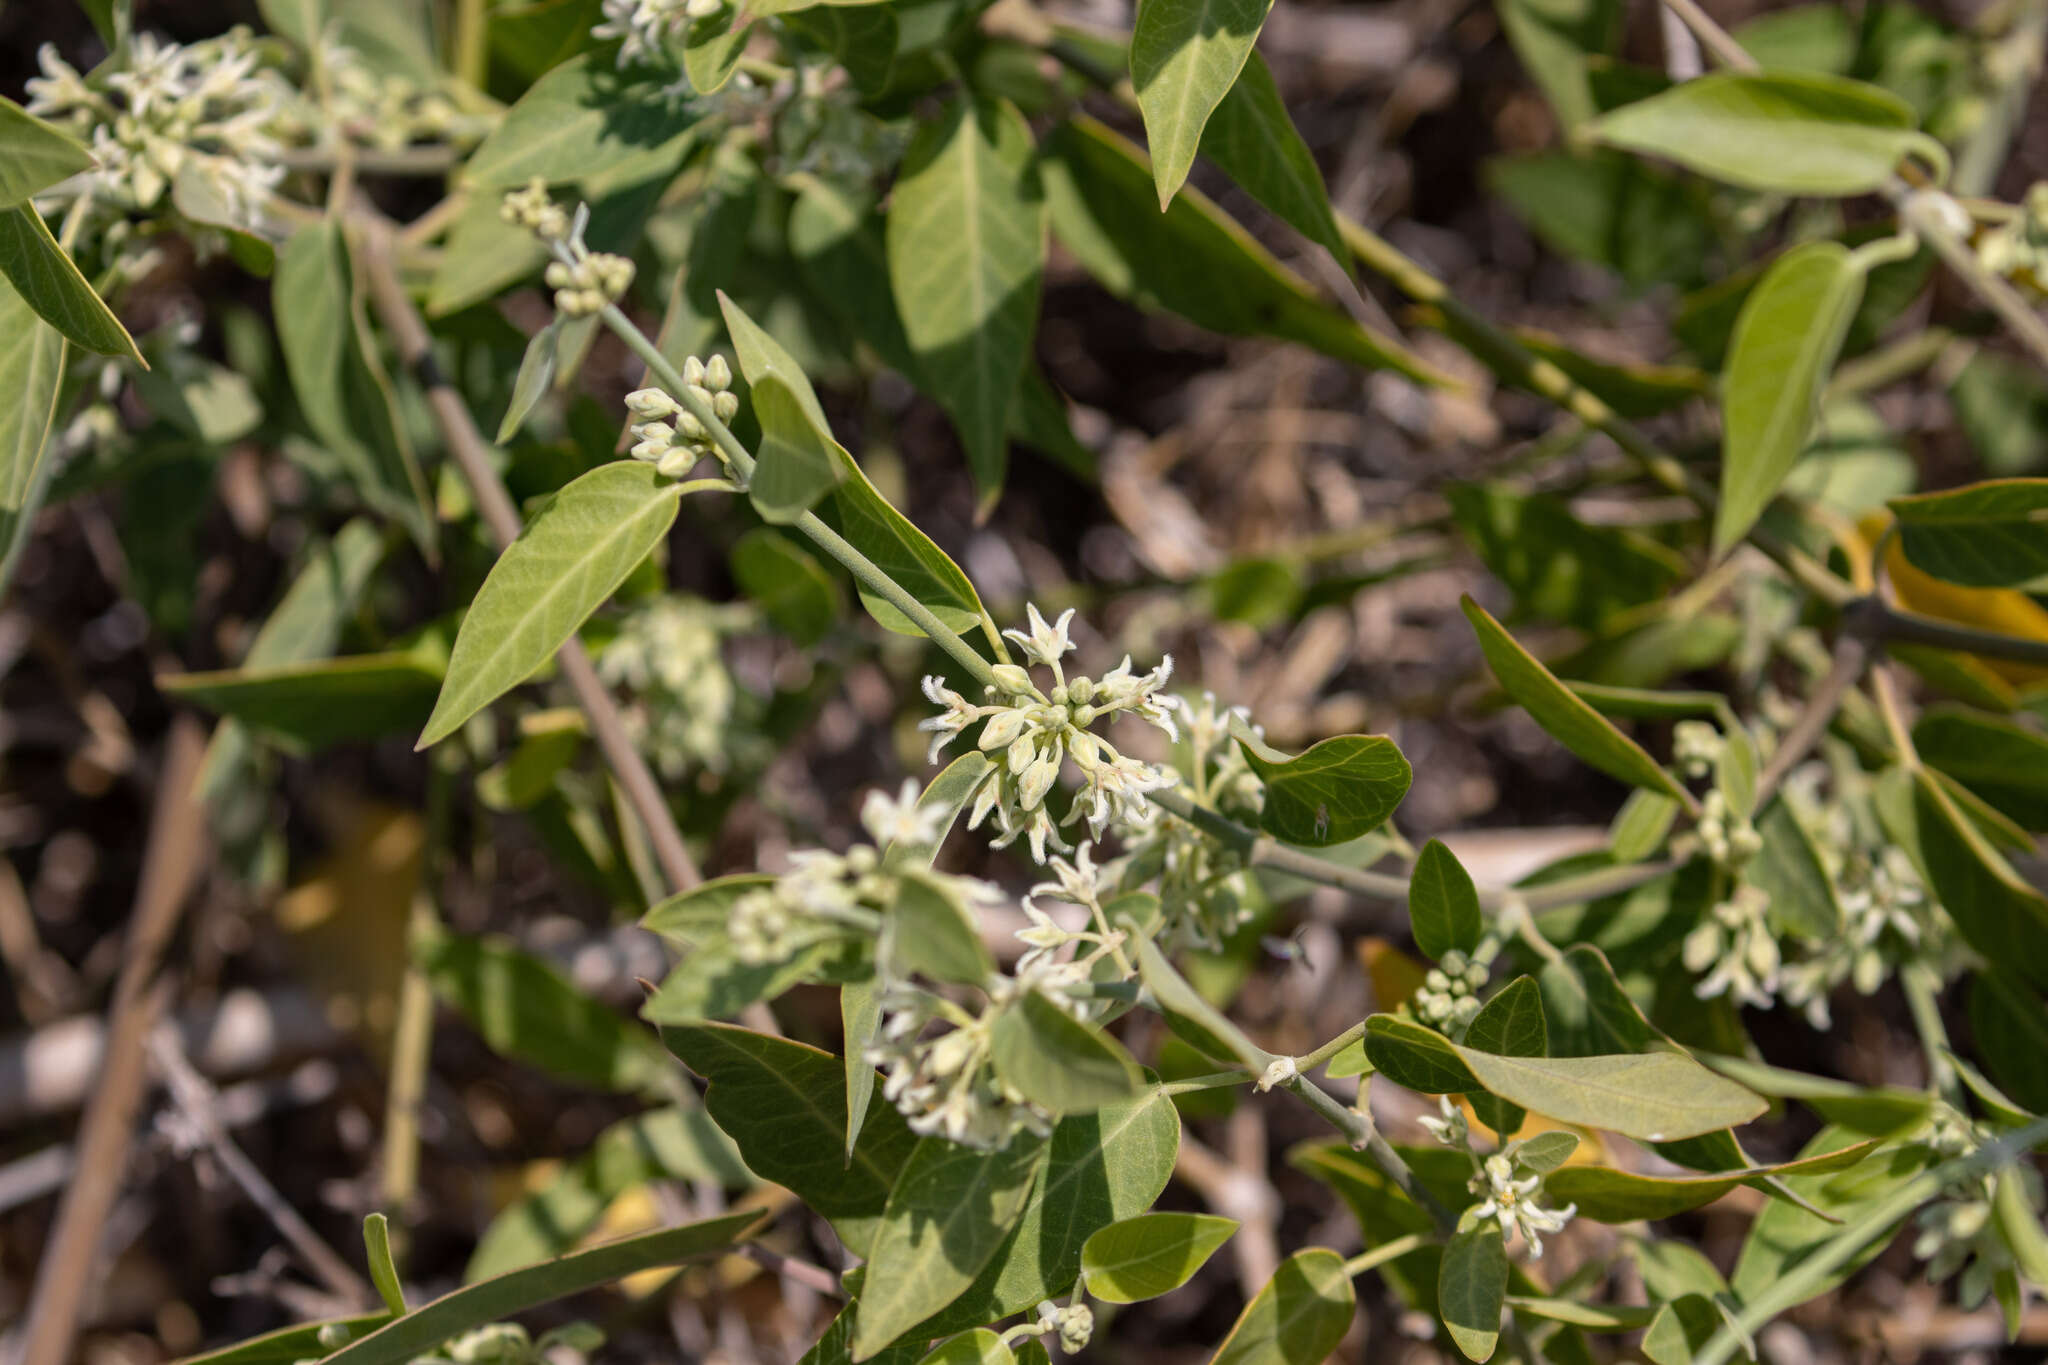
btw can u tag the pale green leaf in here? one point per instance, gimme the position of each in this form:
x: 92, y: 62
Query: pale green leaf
x: 1297, y: 1318
x: 583, y: 119
x: 1152, y: 1254
x: 1443, y: 905
x: 34, y: 155
x: 966, y: 245
x: 860, y: 1020
x: 931, y: 932
x: 312, y: 704
x: 289, y: 1345
x: 1193, y: 1018
x: 1788, y: 868
x: 899, y: 549
x: 1786, y: 133
x: 1058, y: 1062
x: 383, y: 1273
x: 1654, y: 1096
x: 491, y: 1300
x: 798, y: 462
x: 950, y: 1211
x: 1786, y: 339
x: 536, y: 373
x: 1561, y: 712
x: 1185, y: 56
x: 978, y: 1347
x: 564, y: 565
x: 1606, y: 1195
x: 788, y: 583
x: 1546, y: 1151
x: 31, y: 374
x: 43, y: 273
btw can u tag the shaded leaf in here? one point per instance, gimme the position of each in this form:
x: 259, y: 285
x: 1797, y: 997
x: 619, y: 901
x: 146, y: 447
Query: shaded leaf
x: 1297, y: 1318
x: 1152, y: 1254
x: 1251, y: 136
x: 1992, y: 534
x: 1443, y: 905
x: 1471, y: 1285
x: 582, y: 119
x: 798, y: 461
x: 1058, y: 1062
x: 1334, y: 791
x: 46, y: 278
x: 34, y: 155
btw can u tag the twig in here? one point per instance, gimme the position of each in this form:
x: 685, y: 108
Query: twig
x: 472, y: 456
x: 1852, y: 656
x: 1386, y: 1251
x: 1716, y: 39
x: 170, y: 865
x: 803, y: 1272
x: 198, y: 1102
x: 1364, y: 1135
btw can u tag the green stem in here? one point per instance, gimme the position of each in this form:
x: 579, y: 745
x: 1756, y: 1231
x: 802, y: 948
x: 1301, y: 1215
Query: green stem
x: 1215, y: 1080
x: 1386, y: 1251
x: 1363, y: 1135
x: 1922, y: 989
x: 1310, y: 1061
x: 1805, y: 1279
x: 870, y: 574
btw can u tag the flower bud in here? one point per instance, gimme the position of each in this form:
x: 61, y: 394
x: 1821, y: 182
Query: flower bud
x: 693, y: 372
x: 1012, y: 678
x: 717, y: 374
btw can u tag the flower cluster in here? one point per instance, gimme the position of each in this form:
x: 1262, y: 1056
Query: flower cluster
x: 668, y: 434
x: 1959, y: 1232
x: 1449, y: 998
x: 595, y: 279
x: 1513, y: 1202
x: 1696, y: 747
x: 386, y: 111
x: 648, y: 26
x: 668, y: 655
x: 1737, y: 941
x: 826, y: 895
x: 172, y: 114
x: 1203, y: 885
x: 1035, y: 732
x: 534, y: 209
x: 1887, y: 920
x: 1727, y: 834
x: 2020, y: 245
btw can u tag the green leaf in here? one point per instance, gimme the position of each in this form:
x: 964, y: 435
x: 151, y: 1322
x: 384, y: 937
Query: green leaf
x: 950, y: 792
x: 1297, y: 1318
x: 1185, y: 56
x: 966, y: 244
x: 1546, y: 1151
x: 581, y: 120
x: 1640, y: 826
x: 1510, y: 1024
x: 2012, y: 1207
x: 799, y: 462
x: 1606, y: 1195
x: 1998, y: 911
x: 1611, y: 209
x: 34, y: 155
x: 567, y: 561
x: 673, y: 1143
x: 949, y: 1213
x: 1193, y: 259
x: 2003, y: 762
x: 712, y: 47
x: 1567, y: 718
x: 1255, y: 142
x: 200, y: 398
x: 1103, y: 1166
x: 1880, y: 1111
x: 860, y: 1020
x: 1412, y: 1055
x: 1193, y: 1018
x: 1443, y: 905
x: 1152, y: 1254
x: 1471, y: 1286
x: 1587, y: 1011
x: 1681, y: 1329
x: 788, y: 583
x: 784, y: 1104
x: 523, y: 1008
x: 31, y: 374
x: 864, y: 38
x: 313, y: 705
x: 1788, y: 868
x: 2010, y: 1024
x: 932, y: 933
x: 1992, y: 534
x: 45, y: 276
x: 1786, y: 339
x: 762, y: 358
x: 1654, y: 1096
x: 899, y: 549
x: 712, y: 980
x: 491, y: 1300
x: 699, y: 915
x: 377, y: 1250
x: 978, y: 1347
x: 1333, y: 792
x: 337, y: 391
x: 1559, y: 41
x: 289, y: 1345
x: 1557, y: 565
x: 1785, y: 133
x: 1058, y: 1062
x: 1784, y: 1234
x: 536, y: 372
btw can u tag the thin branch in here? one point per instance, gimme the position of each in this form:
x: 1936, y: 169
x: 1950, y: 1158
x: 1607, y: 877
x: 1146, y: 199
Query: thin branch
x: 170, y: 865
x: 199, y: 1103
x: 1712, y: 36
x: 1852, y: 656
x: 1364, y: 1135
x: 472, y: 456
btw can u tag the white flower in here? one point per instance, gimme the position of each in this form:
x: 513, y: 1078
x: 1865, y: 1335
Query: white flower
x: 1451, y: 1129
x: 1044, y: 644
x: 1512, y: 1203
x: 1737, y: 942
x: 899, y: 819
x: 646, y: 26
x: 1079, y: 881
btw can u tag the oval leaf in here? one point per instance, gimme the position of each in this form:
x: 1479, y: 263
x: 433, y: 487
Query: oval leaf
x: 567, y: 561
x: 1185, y: 57
x: 1989, y: 535
x: 1298, y: 1318
x: 1337, y: 789
x: 1150, y: 1255
x: 1471, y: 1284
x: 797, y: 461
x: 1058, y: 1062
x: 33, y: 155
x: 1786, y: 339
x: 43, y: 273
x: 1787, y: 133
x: 1443, y: 905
